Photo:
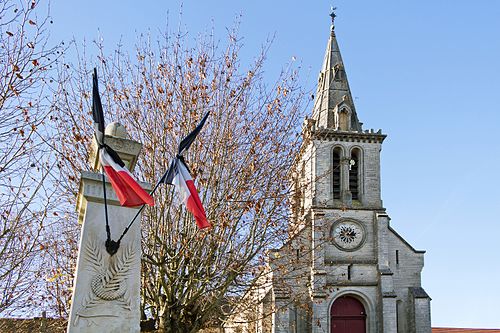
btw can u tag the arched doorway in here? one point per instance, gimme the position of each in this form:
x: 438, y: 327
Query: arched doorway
x: 347, y: 316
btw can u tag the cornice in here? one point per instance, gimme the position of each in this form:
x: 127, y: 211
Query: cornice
x: 335, y: 135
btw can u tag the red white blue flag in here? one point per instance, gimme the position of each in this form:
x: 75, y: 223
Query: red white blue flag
x: 184, y: 184
x: 179, y: 176
x: 128, y: 191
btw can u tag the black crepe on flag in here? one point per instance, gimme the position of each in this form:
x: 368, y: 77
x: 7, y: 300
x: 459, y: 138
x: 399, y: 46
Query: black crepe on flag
x: 188, y: 140
x: 97, y: 112
x: 168, y: 177
x: 114, y: 155
x: 98, y: 115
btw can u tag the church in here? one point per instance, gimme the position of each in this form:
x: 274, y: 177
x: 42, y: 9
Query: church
x: 344, y: 269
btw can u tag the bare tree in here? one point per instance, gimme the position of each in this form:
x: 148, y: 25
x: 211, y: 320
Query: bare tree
x: 25, y: 62
x: 241, y: 163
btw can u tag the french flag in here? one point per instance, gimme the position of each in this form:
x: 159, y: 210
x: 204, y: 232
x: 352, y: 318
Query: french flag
x: 179, y: 176
x: 184, y: 184
x: 128, y: 191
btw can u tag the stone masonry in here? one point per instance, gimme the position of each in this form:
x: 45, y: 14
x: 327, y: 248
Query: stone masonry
x: 341, y: 244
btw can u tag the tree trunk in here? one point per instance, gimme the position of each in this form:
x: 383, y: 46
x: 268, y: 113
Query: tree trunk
x: 173, y: 322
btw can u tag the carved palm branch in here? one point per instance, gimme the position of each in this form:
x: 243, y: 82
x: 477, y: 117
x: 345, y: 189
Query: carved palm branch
x: 109, y: 283
x: 94, y: 256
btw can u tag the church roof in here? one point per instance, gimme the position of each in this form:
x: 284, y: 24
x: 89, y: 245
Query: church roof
x: 333, y: 87
x: 419, y: 292
x: 463, y: 330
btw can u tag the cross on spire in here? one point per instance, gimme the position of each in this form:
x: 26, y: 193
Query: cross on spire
x: 333, y: 15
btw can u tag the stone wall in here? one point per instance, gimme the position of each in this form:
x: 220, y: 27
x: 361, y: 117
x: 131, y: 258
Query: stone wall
x: 35, y: 325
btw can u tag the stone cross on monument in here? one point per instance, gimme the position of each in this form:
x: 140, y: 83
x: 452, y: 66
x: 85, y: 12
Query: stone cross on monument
x: 106, y: 290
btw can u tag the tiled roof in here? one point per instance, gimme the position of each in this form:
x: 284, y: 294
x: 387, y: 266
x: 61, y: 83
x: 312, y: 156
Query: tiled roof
x: 463, y: 330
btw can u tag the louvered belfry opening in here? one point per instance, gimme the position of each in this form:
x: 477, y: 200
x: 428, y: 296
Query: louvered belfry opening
x: 354, y: 174
x: 336, y: 173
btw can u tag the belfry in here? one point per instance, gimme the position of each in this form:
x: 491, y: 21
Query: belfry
x: 344, y: 269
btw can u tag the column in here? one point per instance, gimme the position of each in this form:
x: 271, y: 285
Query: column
x: 106, y: 290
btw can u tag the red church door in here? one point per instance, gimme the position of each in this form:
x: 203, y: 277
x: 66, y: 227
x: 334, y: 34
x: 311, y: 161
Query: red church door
x: 347, y: 316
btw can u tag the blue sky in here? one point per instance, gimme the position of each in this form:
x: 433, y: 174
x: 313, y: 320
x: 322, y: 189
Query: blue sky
x: 426, y: 72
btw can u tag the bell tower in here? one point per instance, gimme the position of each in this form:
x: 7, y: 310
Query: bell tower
x: 343, y: 268
x: 339, y: 164
x: 340, y: 229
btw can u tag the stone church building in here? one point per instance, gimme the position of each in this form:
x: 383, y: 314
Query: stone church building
x: 344, y: 269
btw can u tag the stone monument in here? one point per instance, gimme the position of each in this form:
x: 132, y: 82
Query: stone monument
x: 106, y: 290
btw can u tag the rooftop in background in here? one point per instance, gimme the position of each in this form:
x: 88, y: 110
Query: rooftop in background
x: 463, y: 330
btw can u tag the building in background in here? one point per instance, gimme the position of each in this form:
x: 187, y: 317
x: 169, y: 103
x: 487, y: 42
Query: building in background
x: 343, y: 269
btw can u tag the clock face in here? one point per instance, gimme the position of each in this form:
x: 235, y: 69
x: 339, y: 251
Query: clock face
x: 348, y: 235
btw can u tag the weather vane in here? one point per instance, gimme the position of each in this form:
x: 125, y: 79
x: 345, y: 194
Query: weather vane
x: 332, y: 13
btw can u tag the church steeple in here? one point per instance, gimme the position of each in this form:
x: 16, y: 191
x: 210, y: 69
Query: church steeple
x: 334, y: 106
x: 342, y: 258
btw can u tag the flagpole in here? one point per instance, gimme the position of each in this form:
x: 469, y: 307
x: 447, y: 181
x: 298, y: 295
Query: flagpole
x: 108, y: 244
x: 183, y: 146
x: 108, y: 231
x: 111, y: 246
x: 142, y: 207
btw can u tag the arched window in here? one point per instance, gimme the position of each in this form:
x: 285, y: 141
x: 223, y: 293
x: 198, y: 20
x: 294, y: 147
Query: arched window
x: 336, y: 173
x: 354, y: 169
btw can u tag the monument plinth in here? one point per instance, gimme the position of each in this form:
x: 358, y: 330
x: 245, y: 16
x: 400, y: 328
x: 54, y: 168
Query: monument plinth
x: 106, y: 291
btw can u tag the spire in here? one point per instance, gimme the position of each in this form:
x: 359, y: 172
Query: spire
x: 334, y: 106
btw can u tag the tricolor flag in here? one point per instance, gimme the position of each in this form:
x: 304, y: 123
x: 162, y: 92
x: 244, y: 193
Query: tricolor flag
x: 184, y: 184
x: 179, y: 176
x: 129, y: 192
